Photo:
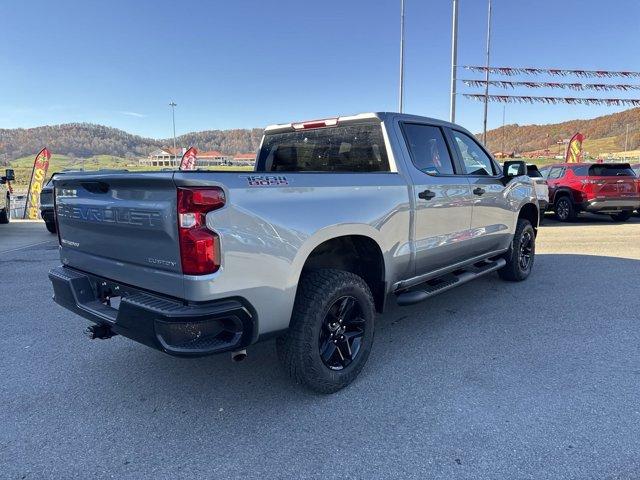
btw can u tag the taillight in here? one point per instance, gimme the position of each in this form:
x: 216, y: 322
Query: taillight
x: 55, y: 216
x: 199, y: 246
x: 329, y: 122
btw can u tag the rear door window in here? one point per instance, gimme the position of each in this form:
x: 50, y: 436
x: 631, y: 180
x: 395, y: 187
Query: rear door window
x: 581, y: 171
x: 348, y: 148
x: 428, y: 149
x: 555, y: 172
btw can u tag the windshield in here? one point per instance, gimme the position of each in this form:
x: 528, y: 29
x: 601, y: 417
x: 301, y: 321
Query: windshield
x: 533, y: 172
x: 349, y: 148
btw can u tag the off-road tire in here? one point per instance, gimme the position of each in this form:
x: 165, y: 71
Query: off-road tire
x: 564, y: 209
x: 51, y: 226
x: 298, y: 349
x: 513, y: 270
x: 622, y: 216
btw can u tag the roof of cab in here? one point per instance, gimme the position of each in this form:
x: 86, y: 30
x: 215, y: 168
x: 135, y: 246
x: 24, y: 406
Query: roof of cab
x: 371, y: 116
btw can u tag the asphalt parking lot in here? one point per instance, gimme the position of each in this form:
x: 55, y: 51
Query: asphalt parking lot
x: 539, y: 379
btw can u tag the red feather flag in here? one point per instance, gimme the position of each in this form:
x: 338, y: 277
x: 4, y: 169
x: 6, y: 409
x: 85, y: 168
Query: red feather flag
x: 38, y: 176
x: 574, y: 149
x: 189, y: 159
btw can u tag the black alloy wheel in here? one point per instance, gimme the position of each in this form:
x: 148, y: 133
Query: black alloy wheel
x: 341, y: 334
x: 526, y: 250
x: 565, y: 210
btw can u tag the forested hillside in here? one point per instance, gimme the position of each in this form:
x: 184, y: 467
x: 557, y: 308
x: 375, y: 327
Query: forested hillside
x: 74, y: 140
x: 227, y: 141
x: 84, y: 140
x: 533, y: 137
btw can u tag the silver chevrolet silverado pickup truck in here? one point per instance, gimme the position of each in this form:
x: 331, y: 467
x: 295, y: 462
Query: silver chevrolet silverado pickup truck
x: 339, y: 216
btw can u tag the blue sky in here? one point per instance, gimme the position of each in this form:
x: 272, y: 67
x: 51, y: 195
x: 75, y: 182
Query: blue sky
x: 248, y: 63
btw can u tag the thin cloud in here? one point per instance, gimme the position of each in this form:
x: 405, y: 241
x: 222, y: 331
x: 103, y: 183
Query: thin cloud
x: 132, y: 114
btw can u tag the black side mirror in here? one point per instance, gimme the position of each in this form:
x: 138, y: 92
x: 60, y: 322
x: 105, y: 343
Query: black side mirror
x: 10, y: 175
x: 514, y: 168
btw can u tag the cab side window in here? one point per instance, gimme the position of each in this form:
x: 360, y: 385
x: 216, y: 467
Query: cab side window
x: 474, y: 159
x: 429, y: 152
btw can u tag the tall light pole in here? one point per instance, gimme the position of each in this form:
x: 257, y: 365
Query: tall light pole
x: 401, y: 93
x: 454, y: 61
x: 173, y: 106
x: 626, y: 142
x: 486, y: 86
x: 504, y: 109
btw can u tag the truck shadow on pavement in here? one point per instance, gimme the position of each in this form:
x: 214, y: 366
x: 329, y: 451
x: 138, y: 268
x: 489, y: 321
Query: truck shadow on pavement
x: 586, y: 219
x: 469, y: 331
x: 490, y: 380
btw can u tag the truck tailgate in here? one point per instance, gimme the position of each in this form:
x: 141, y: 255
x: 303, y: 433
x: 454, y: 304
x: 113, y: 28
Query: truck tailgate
x: 122, y: 227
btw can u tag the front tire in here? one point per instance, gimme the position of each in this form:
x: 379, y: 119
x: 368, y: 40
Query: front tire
x: 565, y: 211
x: 51, y: 226
x: 521, y: 253
x: 622, y: 216
x: 331, y: 331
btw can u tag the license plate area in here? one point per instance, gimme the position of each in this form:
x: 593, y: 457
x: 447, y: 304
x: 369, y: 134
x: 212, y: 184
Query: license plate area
x: 108, y: 293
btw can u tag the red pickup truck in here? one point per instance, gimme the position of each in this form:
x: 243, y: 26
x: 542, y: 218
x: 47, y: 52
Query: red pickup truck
x: 605, y: 188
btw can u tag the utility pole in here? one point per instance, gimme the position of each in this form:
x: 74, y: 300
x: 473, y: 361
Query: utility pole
x: 173, y: 106
x: 401, y: 93
x: 504, y: 108
x: 486, y: 86
x: 454, y: 61
x: 626, y: 142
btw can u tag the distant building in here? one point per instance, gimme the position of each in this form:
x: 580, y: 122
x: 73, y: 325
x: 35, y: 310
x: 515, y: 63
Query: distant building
x: 168, y: 157
x: 537, y: 153
x: 164, y: 157
x: 244, y: 159
x: 511, y: 154
x: 212, y: 159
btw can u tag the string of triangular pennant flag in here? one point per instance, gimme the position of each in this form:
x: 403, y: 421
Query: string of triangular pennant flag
x: 510, y: 71
x: 554, y: 100
x: 563, y: 86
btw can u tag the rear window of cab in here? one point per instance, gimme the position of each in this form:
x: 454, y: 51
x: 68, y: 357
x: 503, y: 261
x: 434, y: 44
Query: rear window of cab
x: 344, y: 148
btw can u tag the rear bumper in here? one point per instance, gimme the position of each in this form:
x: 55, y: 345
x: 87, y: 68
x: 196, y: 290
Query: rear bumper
x: 163, y: 323
x: 610, y: 205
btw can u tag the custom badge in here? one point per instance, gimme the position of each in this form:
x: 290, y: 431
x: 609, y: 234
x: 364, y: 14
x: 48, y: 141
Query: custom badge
x: 266, y: 180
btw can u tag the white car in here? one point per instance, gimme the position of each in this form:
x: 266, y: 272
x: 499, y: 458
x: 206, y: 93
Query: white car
x: 542, y: 189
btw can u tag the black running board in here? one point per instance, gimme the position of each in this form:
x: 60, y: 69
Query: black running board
x: 442, y: 284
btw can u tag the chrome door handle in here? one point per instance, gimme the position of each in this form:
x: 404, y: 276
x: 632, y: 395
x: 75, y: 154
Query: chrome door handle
x: 478, y: 191
x: 426, y: 195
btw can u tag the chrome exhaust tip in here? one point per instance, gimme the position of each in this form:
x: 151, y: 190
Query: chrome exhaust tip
x: 239, y: 355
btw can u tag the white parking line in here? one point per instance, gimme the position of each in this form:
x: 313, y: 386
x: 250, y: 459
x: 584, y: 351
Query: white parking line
x: 25, y: 246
